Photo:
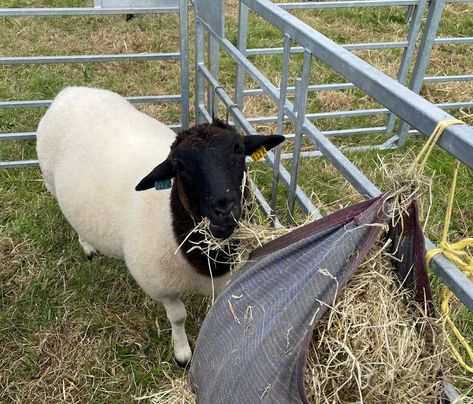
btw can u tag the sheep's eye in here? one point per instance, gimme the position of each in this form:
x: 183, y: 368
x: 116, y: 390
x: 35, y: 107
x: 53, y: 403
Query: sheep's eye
x: 238, y: 149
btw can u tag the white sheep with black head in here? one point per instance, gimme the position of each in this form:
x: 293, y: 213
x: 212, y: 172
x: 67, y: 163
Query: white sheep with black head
x: 94, y: 148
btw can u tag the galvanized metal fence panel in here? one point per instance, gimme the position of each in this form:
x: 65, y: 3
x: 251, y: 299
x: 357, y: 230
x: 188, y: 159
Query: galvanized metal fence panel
x: 109, y: 7
x: 421, y: 114
x: 414, y: 13
x: 429, y: 39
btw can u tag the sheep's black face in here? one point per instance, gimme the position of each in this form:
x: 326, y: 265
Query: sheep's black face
x: 208, y: 162
x: 209, y: 175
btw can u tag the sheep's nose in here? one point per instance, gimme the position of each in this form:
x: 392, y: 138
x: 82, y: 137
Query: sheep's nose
x: 223, y: 208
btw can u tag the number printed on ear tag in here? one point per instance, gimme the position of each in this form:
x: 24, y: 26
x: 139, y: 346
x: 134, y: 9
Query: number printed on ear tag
x: 259, y: 154
x: 160, y: 185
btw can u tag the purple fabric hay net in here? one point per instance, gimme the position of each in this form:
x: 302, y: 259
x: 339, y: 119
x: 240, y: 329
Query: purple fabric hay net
x: 253, y: 344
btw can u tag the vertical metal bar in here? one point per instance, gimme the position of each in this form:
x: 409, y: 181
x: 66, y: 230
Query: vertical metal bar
x: 301, y: 96
x: 414, y: 28
x: 214, y: 67
x: 210, y: 14
x: 280, y: 124
x: 423, y: 57
x: 199, y: 78
x: 263, y: 204
x: 184, y: 55
x: 242, y: 42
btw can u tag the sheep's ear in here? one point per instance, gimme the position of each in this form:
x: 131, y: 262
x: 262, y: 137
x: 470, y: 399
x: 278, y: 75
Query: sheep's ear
x: 221, y: 124
x: 253, y: 143
x: 162, y: 172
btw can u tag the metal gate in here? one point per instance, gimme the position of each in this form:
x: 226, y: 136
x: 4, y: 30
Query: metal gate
x: 177, y: 7
x: 424, y: 38
x: 290, y: 101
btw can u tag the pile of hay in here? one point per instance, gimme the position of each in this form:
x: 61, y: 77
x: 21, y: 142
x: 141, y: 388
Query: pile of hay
x: 376, y: 344
x: 174, y: 391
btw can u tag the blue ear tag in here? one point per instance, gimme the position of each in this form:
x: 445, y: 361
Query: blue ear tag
x: 160, y: 185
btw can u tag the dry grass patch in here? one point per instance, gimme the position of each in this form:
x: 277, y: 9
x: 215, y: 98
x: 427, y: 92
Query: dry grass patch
x: 335, y: 100
x: 18, y: 267
x: 448, y: 92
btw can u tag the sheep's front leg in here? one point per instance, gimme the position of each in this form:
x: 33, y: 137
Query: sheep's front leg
x: 176, y: 313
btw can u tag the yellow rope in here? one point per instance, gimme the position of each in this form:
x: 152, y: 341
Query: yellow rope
x: 430, y: 143
x: 457, y: 252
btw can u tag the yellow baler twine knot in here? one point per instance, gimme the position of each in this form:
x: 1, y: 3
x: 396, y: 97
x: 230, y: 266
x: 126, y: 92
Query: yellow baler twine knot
x: 457, y: 253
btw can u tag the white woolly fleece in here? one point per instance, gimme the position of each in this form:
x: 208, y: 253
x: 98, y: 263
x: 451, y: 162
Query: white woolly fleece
x: 94, y: 147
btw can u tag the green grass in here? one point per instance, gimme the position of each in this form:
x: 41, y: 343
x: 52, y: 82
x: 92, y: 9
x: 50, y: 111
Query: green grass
x: 74, y: 330
x: 66, y: 321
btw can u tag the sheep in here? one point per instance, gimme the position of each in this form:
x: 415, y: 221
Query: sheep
x: 94, y: 149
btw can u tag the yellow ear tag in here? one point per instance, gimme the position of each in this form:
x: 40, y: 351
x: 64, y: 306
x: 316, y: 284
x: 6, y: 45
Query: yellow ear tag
x: 259, y: 154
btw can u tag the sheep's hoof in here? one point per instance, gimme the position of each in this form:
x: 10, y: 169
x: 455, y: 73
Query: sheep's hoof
x: 88, y: 249
x: 183, y: 357
x: 182, y: 364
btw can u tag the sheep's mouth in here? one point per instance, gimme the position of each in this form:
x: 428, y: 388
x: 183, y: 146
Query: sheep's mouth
x: 221, y: 232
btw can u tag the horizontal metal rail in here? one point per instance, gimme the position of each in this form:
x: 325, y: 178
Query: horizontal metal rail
x: 18, y: 164
x: 326, y: 115
x: 318, y: 153
x: 350, y: 46
x: 17, y: 136
x: 348, y: 86
x: 15, y: 60
x: 447, y: 79
x: 356, y: 113
x: 346, y: 4
x: 56, y: 11
x: 314, y: 87
x: 455, y: 105
x: 354, y: 131
x: 146, y: 99
x: 32, y: 135
x: 346, y: 132
x: 453, y: 41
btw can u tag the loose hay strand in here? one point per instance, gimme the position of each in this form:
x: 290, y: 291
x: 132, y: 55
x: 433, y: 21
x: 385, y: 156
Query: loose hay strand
x: 175, y: 391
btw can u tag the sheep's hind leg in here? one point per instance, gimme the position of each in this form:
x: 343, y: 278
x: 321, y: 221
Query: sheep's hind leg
x: 176, y: 313
x: 88, y: 249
